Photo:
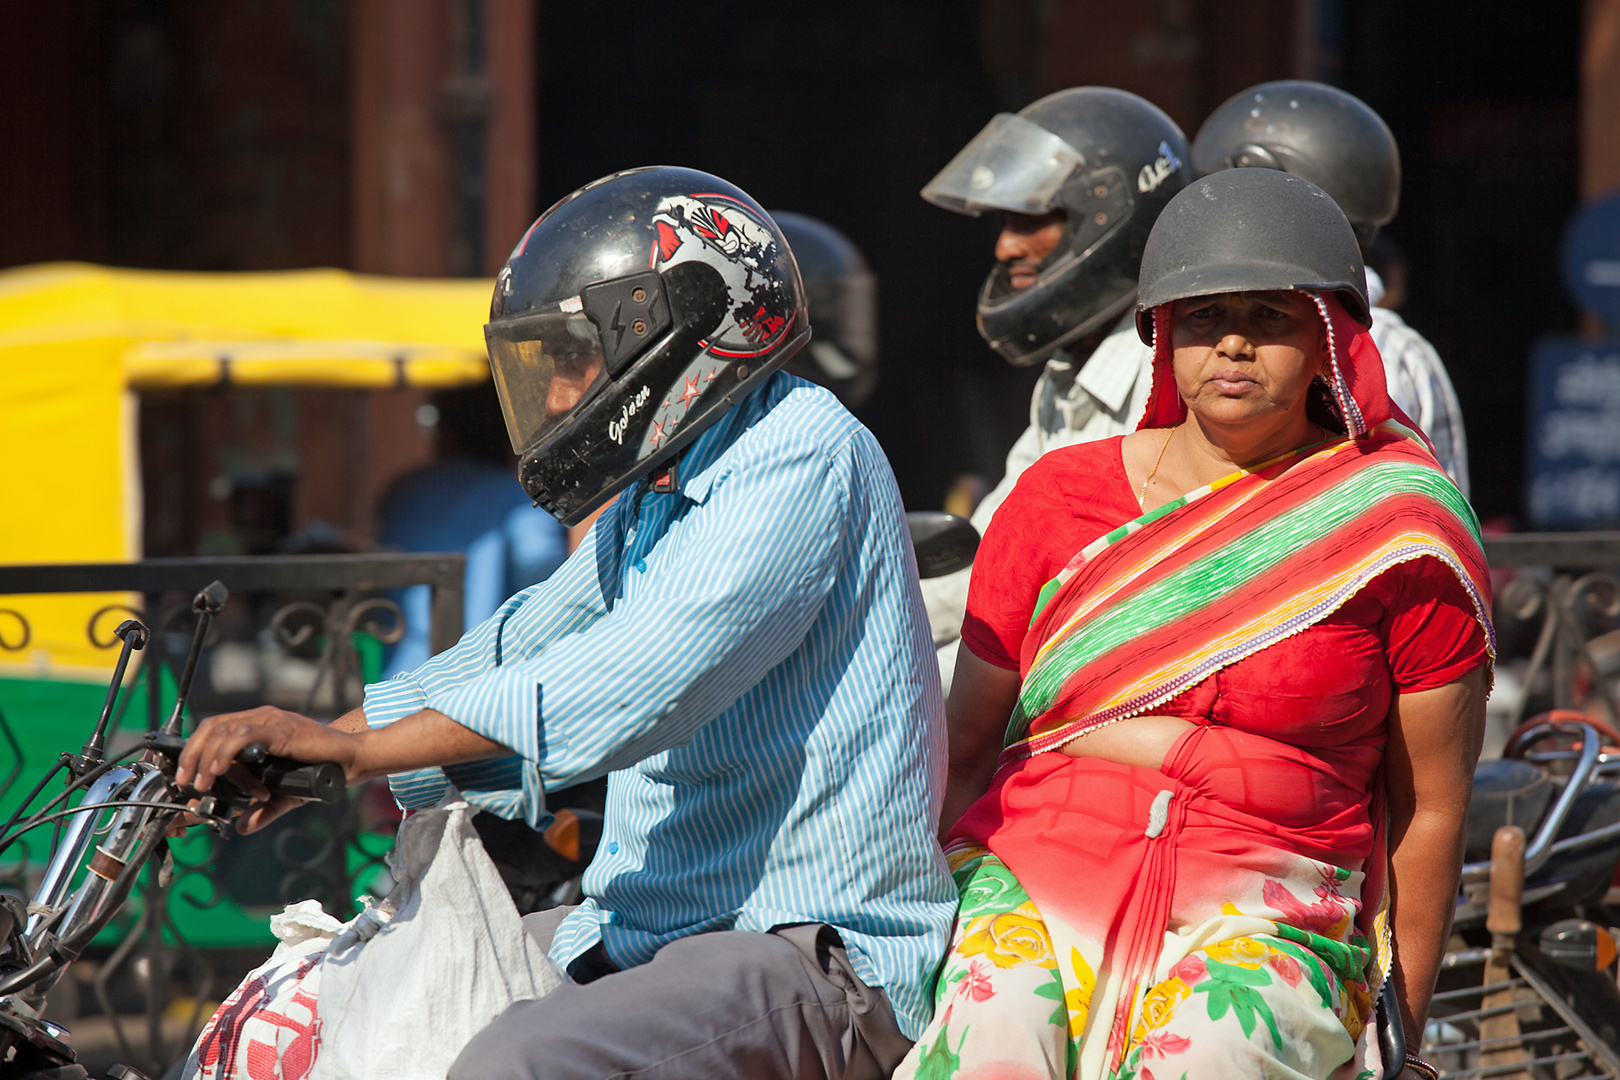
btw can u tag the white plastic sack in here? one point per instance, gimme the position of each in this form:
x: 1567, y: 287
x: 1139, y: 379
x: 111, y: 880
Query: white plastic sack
x: 402, y: 988
x: 402, y: 1001
x: 267, y: 1028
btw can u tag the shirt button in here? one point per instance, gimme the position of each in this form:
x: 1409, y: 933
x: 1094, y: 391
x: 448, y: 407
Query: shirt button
x: 615, y: 918
x: 613, y: 847
x: 641, y: 564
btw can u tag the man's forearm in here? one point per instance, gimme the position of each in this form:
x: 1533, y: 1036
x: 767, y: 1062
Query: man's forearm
x: 422, y: 740
x: 352, y: 722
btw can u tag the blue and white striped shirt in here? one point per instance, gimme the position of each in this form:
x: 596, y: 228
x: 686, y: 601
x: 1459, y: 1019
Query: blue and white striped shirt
x: 749, y: 660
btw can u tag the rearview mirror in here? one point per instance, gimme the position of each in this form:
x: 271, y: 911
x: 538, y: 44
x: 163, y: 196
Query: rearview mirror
x: 944, y: 542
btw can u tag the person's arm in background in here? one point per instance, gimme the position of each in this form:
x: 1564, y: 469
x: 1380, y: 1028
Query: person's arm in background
x: 946, y: 597
x: 1434, y: 743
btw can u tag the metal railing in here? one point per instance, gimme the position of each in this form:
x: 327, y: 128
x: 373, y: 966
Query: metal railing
x: 310, y: 615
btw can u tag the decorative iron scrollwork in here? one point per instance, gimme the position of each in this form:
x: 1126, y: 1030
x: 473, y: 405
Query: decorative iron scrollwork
x: 95, y: 620
x: 19, y: 643
x: 329, y: 852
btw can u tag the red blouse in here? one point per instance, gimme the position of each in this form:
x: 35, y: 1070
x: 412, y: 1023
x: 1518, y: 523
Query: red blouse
x: 1326, y: 689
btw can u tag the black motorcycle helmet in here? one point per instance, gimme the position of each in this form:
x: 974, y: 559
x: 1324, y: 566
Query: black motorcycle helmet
x: 627, y: 320
x: 842, y: 292
x: 1250, y: 230
x: 1110, y: 161
x: 1316, y: 132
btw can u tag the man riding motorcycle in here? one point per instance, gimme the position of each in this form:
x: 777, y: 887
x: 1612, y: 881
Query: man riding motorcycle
x: 1078, y: 179
x: 739, y: 644
x: 1334, y: 140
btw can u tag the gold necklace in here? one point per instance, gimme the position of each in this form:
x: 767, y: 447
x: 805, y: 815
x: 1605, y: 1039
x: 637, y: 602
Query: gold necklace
x: 1142, y: 496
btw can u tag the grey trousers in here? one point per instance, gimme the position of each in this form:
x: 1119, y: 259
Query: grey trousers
x: 731, y: 1004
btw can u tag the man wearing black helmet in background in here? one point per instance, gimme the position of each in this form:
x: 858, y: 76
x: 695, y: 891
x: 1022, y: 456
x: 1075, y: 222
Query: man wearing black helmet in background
x: 1334, y: 140
x: 1078, y: 179
x: 738, y: 645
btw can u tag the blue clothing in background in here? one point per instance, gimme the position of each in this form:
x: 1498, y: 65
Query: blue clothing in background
x: 477, y: 508
x: 749, y: 659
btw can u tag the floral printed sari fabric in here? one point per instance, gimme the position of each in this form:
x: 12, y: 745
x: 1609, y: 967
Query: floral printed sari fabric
x: 1220, y: 915
x: 1268, y: 1004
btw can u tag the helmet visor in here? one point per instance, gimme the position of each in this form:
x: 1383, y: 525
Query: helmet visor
x: 545, y: 368
x: 1012, y: 165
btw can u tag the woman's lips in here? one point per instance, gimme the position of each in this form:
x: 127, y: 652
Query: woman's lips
x: 1232, y: 381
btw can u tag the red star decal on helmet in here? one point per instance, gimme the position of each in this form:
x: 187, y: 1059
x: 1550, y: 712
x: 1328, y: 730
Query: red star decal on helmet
x: 658, y: 435
x: 691, y: 391
x: 710, y: 377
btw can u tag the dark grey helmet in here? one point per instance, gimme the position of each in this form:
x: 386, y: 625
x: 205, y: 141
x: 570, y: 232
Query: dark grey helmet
x: 1250, y: 230
x: 842, y: 292
x: 1110, y: 161
x: 1320, y: 133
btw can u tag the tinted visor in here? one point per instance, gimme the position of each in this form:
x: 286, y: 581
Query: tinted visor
x: 545, y: 368
x: 1012, y: 165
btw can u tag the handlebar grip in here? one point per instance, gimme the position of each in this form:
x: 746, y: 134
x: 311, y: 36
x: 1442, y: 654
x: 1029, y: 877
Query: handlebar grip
x: 323, y: 781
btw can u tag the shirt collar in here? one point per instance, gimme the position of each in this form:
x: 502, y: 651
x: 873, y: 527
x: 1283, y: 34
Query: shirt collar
x: 1112, y: 370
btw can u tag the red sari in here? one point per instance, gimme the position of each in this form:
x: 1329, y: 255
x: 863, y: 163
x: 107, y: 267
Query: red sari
x: 1207, y: 914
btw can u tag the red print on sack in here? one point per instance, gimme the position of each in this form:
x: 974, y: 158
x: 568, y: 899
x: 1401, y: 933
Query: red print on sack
x: 219, y: 1048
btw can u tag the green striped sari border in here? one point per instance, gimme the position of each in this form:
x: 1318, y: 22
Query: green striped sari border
x: 1206, y: 580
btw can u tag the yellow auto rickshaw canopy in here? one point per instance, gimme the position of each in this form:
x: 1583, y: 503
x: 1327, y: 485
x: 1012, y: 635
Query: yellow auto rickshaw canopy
x: 76, y: 340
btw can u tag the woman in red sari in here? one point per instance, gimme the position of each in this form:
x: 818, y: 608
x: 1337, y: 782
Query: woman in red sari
x: 1245, y: 650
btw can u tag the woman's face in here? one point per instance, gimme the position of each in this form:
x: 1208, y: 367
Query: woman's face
x: 1245, y: 356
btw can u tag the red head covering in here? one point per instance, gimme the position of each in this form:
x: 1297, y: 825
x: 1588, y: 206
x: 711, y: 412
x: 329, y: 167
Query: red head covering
x: 1355, y: 373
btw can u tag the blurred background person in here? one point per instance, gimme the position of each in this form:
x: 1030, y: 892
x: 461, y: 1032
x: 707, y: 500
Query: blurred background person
x: 467, y: 501
x: 1335, y: 141
x: 842, y: 292
x: 1077, y: 180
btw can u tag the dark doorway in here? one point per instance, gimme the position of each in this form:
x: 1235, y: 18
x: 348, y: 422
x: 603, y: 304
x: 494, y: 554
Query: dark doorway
x: 1483, y: 100
x: 840, y: 110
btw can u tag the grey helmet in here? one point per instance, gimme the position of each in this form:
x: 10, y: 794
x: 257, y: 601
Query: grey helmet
x: 1110, y: 161
x: 1320, y: 133
x: 842, y: 292
x: 1250, y: 230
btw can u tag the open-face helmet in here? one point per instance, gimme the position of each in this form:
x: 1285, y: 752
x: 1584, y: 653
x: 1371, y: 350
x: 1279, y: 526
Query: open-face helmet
x: 1314, y: 131
x: 842, y: 292
x: 1251, y: 230
x: 1110, y: 161
x: 628, y: 319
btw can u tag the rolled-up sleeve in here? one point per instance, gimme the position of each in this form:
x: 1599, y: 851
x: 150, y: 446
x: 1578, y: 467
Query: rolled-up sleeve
x: 567, y: 600
x: 716, y: 601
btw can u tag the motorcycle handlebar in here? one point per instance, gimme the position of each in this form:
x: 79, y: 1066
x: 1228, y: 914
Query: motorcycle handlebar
x: 323, y: 781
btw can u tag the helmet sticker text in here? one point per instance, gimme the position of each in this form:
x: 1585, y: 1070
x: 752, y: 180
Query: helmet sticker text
x: 616, y: 428
x: 1161, y: 170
